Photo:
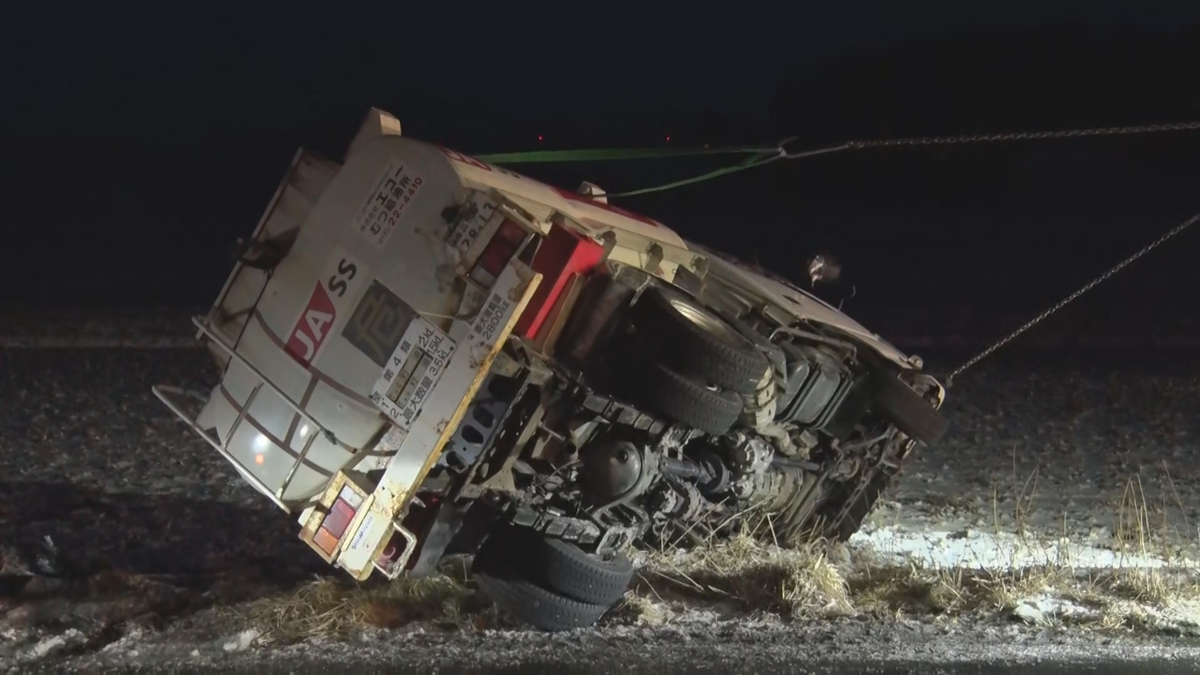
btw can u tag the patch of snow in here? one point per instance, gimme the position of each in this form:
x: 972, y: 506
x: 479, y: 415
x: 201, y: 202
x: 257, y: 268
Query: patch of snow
x: 242, y: 641
x: 973, y: 549
x: 1044, y: 608
x: 48, y: 645
x: 1030, y: 612
x: 1181, y: 613
x: 54, y: 643
x: 125, y: 642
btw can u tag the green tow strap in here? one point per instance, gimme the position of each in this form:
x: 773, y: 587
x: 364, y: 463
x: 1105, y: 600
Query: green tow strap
x: 748, y: 164
x: 611, y: 154
x: 759, y: 156
x: 766, y: 155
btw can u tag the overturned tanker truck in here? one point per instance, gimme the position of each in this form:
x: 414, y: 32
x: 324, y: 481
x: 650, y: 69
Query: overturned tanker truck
x: 424, y: 355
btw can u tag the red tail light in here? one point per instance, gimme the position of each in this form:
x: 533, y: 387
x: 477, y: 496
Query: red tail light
x: 334, y: 526
x: 498, y: 252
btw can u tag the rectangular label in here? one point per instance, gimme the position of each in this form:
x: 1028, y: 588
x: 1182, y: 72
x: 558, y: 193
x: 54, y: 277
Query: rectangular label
x: 468, y: 229
x: 391, y: 440
x: 378, y: 322
x: 360, y: 536
x: 412, y: 372
x: 491, y: 318
x: 337, y: 283
x: 380, y: 214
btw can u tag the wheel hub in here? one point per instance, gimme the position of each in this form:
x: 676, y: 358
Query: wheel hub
x: 705, y: 320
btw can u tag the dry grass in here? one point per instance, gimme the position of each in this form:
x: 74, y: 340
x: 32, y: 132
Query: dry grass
x: 1143, y: 529
x: 751, y: 574
x: 948, y: 504
x: 333, y: 607
x: 636, y: 608
x: 894, y: 591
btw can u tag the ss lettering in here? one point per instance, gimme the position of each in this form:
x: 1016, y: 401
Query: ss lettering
x: 345, y: 272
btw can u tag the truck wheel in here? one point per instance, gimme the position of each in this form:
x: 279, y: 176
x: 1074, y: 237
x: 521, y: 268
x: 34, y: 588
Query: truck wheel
x: 908, y: 410
x: 558, y: 566
x: 564, y: 567
x: 548, y: 583
x: 538, y: 607
x: 689, y: 401
x: 695, y: 341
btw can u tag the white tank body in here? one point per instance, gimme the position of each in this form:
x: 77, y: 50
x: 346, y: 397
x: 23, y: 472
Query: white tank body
x: 337, y: 264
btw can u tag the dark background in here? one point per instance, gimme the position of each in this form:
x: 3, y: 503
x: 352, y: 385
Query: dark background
x: 137, y: 142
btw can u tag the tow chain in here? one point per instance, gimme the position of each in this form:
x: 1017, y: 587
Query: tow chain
x: 1171, y: 234
x: 1023, y: 136
x: 1027, y: 136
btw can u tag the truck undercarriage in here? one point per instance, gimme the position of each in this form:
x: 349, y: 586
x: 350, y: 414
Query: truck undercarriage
x: 675, y: 427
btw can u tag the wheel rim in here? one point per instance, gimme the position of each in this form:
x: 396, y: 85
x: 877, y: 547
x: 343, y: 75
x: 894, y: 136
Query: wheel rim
x: 706, y: 321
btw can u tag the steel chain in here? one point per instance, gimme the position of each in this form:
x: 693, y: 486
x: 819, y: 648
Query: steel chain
x: 1175, y: 231
x: 1025, y: 136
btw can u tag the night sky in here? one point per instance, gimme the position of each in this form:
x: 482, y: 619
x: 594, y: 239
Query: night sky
x: 139, y: 142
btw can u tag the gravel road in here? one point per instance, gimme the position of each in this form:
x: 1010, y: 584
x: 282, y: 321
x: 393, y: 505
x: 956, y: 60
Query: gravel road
x: 106, y: 498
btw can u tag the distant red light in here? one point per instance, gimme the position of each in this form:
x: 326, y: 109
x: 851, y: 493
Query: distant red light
x: 668, y: 138
x: 540, y: 137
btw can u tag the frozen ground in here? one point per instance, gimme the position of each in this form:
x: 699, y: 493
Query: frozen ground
x: 144, y: 549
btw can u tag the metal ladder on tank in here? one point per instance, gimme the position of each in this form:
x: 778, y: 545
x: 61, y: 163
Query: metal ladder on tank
x: 169, y: 395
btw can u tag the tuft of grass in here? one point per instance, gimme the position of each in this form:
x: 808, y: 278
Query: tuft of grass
x: 635, y: 608
x: 1023, y: 504
x: 1133, y: 532
x: 336, y: 608
x: 746, y: 572
x: 916, y: 591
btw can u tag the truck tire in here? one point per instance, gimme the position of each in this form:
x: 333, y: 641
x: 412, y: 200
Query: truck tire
x: 538, y: 607
x: 689, y: 401
x: 548, y: 583
x: 693, y: 340
x: 908, y: 410
x: 558, y: 566
x: 565, y: 568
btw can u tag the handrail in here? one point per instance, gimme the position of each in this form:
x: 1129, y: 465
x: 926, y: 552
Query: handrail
x: 206, y: 329
x: 164, y: 393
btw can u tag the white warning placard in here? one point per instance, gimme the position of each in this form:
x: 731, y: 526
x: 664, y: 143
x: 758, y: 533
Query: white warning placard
x: 412, y: 372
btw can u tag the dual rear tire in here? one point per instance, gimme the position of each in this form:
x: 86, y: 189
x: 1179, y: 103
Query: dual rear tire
x: 694, y: 366
x: 548, y: 583
x: 697, y: 367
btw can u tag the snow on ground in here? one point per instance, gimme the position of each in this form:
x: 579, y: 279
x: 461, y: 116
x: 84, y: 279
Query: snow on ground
x: 107, y: 499
x: 974, y: 549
